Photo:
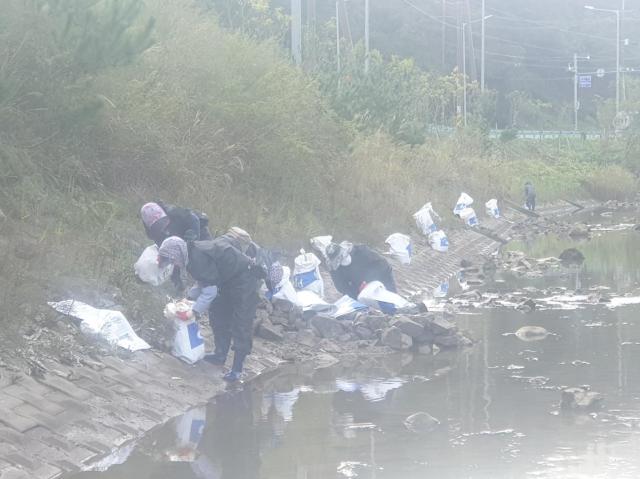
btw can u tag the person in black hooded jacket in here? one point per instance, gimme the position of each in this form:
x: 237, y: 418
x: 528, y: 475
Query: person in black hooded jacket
x: 227, y: 285
x: 352, y: 266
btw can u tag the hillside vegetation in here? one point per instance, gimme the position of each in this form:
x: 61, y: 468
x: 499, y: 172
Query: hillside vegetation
x: 106, y: 104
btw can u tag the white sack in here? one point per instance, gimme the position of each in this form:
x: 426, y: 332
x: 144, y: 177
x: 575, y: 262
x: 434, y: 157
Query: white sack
x: 439, y: 241
x: 147, y: 268
x: 188, y: 344
x: 375, y: 295
x: 492, y: 208
x: 400, y: 247
x: 306, y: 273
x: 110, y: 325
x: 464, y: 201
x: 468, y: 215
x: 284, y: 290
x: 424, y: 219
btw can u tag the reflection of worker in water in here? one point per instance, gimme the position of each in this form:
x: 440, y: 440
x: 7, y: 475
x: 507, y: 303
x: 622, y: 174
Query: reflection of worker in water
x: 231, y: 439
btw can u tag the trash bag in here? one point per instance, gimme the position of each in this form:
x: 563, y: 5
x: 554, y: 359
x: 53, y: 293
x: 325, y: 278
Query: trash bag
x: 147, y: 268
x: 306, y: 273
x: 346, y: 306
x: 438, y: 241
x: 400, y: 247
x: 464, y: 201
x: 441, y: 290
x: 468, y: 215
x: 106, y: 324
x: 492, y: 208
x: 424, y: 219
x: 376, y: 296
x: 310, y: 301
x: 320, y: 244
x: 188, y: 344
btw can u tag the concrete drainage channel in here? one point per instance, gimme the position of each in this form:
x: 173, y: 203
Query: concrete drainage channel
x: 74, y: 417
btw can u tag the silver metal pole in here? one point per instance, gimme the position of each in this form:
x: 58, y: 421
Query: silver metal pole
x: 464, y: 73
x: 575, y: 92
x: 617, y: 61
x: 296, y: 31
x: 338, y: 36
x: 482, y: 50
x: 366, y: 36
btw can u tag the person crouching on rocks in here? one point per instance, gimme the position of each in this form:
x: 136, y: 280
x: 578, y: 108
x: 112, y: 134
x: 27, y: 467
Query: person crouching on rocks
x: 353, y: 266
x: 227, y: 282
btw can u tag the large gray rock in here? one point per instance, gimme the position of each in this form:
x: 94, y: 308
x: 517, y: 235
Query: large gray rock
x: 269, y: 331
x: 373, y: 322
x: 454, y: 340
x: 395, y: 339
x: 421, y: 423
x: 441, y: 326
x: 327, y: 327
x: 363, y: 332
x: 409, y: 327
x: 531, y: 333
x: 580, y: 399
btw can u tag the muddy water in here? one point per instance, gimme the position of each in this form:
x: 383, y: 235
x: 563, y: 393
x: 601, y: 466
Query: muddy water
x: 497, y: 402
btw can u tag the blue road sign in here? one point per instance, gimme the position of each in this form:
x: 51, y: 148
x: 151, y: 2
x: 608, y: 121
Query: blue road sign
x: 584, y: 81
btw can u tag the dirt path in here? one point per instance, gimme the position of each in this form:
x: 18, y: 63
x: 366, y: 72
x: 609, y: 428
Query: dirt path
x: 62, y: 418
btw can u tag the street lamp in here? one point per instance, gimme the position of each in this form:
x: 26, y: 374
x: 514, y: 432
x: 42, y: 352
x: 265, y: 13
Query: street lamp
x: 464, y: 63
x: 617, y: 13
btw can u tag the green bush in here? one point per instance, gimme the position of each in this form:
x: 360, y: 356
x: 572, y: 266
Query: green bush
x: 612, y: 183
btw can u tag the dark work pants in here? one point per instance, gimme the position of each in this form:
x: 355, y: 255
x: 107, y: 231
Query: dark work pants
x: 231, y: 317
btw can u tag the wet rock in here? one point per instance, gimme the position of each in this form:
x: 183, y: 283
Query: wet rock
x: 531, y: 333
x: 373, y: 322
x: 427, y: 337
x: 421, y: 423
x: 473, y: 295
x: 441, y: 326
x: 270, y: 332
x: 306, y: 338
x: 395, y: 339
x: 580, y: 398
x: 527, y: 306
x: 362, y: 332
x: 456, y: 340
x: 465, y: 263
x: 425, y: 349
x: 580, y: 231
x: 329, y: 346
x: 327, y: 327
x: 572, y: 256
x: 409, y: 327
x: 324, y: 360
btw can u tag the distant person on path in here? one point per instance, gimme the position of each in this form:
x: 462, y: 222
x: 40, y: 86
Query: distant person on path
x: 529, y: 196
x: 353, y: 266
x: 227, y: 285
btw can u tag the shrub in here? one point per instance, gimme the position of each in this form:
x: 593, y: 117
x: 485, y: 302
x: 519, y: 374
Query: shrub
x: 612, y: 183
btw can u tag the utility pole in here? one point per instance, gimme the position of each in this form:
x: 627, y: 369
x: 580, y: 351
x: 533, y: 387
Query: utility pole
x: 464, y: 72
x: 482, y: 50
x: 366, y: 36
x: 575, y: 92
x: 296, y: 31
x: 444, y: 32
x: 338, y: 38
x: 576, y: 79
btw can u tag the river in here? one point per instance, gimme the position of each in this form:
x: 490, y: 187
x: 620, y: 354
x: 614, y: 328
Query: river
x: 497, y: 402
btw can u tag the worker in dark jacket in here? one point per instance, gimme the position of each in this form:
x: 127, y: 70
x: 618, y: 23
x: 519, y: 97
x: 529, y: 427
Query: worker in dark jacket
x: 227, y: 285
x: 353, y: 266
x: 529, y: 196
x: 162, y: 221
